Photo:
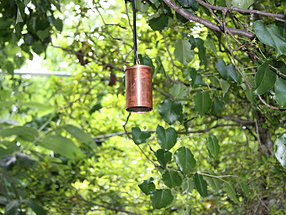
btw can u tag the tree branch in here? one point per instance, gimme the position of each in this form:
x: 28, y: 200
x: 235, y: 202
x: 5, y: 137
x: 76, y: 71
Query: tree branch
x: 232, y: 8
x: 208, y: 24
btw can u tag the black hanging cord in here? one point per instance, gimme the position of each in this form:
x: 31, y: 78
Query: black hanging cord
x: 135, y: 33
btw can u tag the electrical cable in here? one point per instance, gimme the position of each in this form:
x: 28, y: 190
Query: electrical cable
x: 135, y: 33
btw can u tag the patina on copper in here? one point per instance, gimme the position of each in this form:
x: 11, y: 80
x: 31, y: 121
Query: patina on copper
x: 138, y: 80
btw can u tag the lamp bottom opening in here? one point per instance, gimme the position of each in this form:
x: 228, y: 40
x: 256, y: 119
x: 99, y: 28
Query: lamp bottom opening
x: 139, y: 109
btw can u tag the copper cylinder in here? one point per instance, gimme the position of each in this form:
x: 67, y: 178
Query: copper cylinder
x: 138, y: 80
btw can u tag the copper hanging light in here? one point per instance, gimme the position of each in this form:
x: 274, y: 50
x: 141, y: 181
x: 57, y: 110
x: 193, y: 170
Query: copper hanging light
x: 138, y: 88
x: 138, y: 80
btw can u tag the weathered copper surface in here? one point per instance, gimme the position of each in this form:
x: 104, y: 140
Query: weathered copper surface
x: 138, y: 80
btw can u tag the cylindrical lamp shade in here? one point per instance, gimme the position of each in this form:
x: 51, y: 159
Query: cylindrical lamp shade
x: 138, y: 80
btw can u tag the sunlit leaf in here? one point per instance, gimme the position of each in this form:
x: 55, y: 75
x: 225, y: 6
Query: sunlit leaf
x: 61, y: 145
x: 183, y: 52
x: 213, y: 182
x: 245, y: 4
x: 166, y: 138
x: 188, y: 185
x: 280, y: 152
x: 161, y: 198
x: 80, y: 135
x: 24, y: 132
x: 185, y: 160
x: 179, y: 91
x: 228, y: 188
x: 185, y: 211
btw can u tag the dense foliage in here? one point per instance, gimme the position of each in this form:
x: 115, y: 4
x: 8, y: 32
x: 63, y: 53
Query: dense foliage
x: 215, y: 142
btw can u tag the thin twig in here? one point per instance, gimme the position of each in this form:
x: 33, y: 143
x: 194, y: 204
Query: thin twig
x: 268, y: 105
x: 124, y: 127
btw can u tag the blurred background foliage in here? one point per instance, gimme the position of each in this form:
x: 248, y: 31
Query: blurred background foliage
x: 65, y: 140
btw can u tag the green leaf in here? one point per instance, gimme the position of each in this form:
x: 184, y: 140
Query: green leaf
x: 166, y: 138
x: 147, y: 186
x: 280, y: 152
x: 264, y: 78
x: 200, y: 184
x: 9, y: 66
x: 213, y: 146
x: 226, y: 71
x: 183, y: 52
x: 24, y: 159
x: 141, y: 6
x: 224, y: 86
x: 217, y: 106
x: 171, y: 111
x: 202, y: 51
x: 213, y: 182
x: 189, y: 3
x: 246, y: 190
x: 248, y: 92
x: 202, y: 102
x: 25, y: 133
x: 43, y: 34
x: 161, y: 198
x: 61, y: 145
x: 12, y: 208
x: 38, y: 47
x: 42, y: 109
x: 188, y: 186
x: 185, y: 211
x: 138, y: 136
x: 80, y: 135
x: 191, y: 73
x: 20, y: 12
x: 179, y: 91
x: 210, y: 44
x: 35, y: 207
x: 270, y: 35
x: 245, y: 4
x: 163, y: 157
x: 172, y: 178
x: 146, y: 60
x: 280, y: 92
x: 159, y: 22
x: 160, y: 67
x: 228, y: 188
x: 185, y: 160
